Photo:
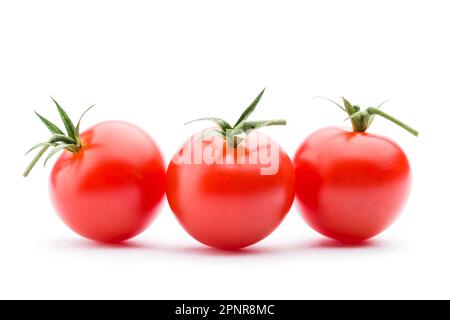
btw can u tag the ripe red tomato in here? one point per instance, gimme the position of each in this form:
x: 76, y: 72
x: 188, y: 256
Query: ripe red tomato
x: 230, y: 206
x: 236, y: 188
x: 352, y: 185
x: 112, y: 188
x: 108, y: 183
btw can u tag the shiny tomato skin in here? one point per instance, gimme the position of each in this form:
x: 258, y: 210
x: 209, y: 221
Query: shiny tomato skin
x: 112, y: 189
x: 350, y: 185
x: 230, y: 206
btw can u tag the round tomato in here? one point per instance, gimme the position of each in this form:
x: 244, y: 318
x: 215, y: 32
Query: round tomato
x: 351, y: 185
x: 231, y: 194
x: 110, y: 187
x: 230, y: 206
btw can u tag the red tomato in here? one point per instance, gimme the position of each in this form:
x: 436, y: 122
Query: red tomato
x: 230, y: 205
x: 111, y: 189
x: 350, y: 185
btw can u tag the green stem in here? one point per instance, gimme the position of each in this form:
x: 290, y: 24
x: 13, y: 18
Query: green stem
x: 246, y: 127
x: 234, y: 135
x: 267, y: 123
x: 63, y: 138
x: 383, y: 114
x: 359, y: 122
x: 35, y: 160
x: 60, y: 141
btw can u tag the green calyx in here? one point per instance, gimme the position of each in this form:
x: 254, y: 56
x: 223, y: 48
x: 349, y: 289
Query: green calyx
x: 59, y: 141
x: 237, y: 133
x: 362, y: 119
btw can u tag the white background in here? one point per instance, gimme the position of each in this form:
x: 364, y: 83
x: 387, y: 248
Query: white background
x: 160, y: 63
